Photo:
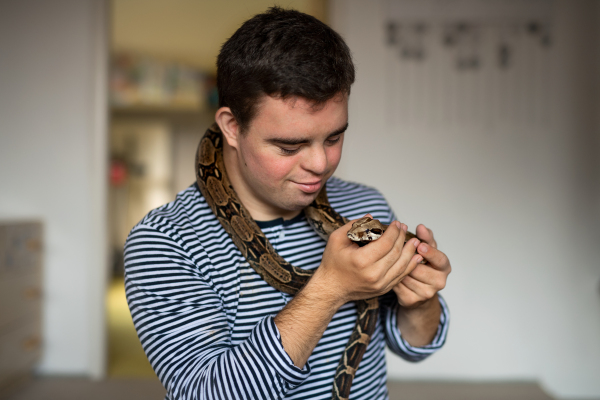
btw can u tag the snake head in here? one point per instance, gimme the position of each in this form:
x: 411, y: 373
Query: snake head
x: 365, y: 230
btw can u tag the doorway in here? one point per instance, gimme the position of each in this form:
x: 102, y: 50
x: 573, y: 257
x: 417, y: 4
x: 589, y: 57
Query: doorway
x: 162, y: 97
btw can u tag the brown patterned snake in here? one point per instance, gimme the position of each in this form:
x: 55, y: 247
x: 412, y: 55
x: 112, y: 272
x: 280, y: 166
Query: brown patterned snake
x: 215, y: 186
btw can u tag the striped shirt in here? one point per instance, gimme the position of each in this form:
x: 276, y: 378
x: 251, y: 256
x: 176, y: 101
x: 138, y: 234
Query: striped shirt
x: 205, y: 317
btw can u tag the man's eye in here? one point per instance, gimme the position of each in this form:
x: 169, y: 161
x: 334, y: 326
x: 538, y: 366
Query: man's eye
x: 334, y: 140
x: 289, y: 150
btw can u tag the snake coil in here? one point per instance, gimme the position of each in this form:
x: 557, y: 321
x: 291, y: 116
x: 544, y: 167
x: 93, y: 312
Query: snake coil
x: 216, y: 188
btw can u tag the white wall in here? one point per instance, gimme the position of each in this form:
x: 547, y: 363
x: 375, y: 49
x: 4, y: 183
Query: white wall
x: 52, y: 163
x: 513, y: 204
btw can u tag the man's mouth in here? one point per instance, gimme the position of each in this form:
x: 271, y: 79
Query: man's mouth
x: 309, y: 187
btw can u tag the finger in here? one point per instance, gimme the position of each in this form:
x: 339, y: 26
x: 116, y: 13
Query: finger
x: 395, y: 252
x: 406, y: 296
x: 388, y: 246
x: 426, y: 288
x: 412, y: 291
x: 405, y: 264
x: 433, y: 256
x: 414, y: 285
x: 429, y: 276
x: 426, y: 274
x: 426, y: 235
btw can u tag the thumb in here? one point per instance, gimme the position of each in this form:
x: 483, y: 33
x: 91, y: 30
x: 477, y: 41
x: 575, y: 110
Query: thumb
x: 426, y: 235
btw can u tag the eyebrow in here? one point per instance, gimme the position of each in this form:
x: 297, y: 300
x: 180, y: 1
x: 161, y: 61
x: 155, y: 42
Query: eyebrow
x: 295, y: 141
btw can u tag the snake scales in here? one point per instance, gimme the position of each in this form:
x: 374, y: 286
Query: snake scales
x: 215, y: 186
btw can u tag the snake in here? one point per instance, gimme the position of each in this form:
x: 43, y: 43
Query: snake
x: 215, y: 186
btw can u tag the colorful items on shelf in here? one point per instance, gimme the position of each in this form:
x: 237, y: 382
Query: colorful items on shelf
x: 145, y: 82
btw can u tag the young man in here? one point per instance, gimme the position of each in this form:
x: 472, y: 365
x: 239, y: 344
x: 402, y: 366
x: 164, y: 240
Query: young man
x: 210, y: 325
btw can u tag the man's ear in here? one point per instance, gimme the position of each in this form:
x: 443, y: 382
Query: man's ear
x: 229, y: 126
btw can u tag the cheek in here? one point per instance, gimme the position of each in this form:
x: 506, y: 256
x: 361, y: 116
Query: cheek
x: 334, y: 155
x: 272, y: 169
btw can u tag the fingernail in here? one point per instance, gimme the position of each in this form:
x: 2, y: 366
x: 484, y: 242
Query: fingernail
x: 419, y: 259
x: 416, y: 242
x: 404, y: 228
x: 398, y: 224
x: 424, y: 248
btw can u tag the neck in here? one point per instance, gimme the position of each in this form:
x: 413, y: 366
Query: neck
x: 258, y: 210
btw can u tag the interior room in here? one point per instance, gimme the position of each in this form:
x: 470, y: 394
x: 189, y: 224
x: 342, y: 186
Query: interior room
x: 477, y: 118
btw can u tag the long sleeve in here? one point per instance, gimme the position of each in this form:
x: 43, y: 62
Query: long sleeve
x: 395, y: 341
x: 393, y: 337
x: 180, y: 317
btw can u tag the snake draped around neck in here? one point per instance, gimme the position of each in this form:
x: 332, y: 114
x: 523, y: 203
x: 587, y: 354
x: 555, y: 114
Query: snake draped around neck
x: 216, y: 188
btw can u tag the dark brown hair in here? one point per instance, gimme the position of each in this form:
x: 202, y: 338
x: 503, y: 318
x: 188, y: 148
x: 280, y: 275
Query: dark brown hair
x: 281, y: 53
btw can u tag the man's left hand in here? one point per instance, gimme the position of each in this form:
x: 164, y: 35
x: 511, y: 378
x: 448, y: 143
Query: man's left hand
x: 423, y: 283
x: 419, y: 314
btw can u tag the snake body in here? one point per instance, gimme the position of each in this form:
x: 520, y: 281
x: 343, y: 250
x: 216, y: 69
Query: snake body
x: 216, y: 187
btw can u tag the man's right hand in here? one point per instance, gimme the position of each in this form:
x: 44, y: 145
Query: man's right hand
x: 349, y: 272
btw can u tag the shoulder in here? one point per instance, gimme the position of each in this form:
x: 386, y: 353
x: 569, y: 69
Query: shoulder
x: 354, y: 200
x: 340, y: 187
x: 180, y: 220
x: 189, y: 207
x: 177, y: 212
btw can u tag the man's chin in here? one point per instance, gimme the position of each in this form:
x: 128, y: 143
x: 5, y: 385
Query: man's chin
x: 292, y: 202
x: 308, y: 198
x: 300, y: 202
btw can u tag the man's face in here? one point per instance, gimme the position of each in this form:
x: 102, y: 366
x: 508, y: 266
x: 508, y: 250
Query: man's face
x: 287, y: 154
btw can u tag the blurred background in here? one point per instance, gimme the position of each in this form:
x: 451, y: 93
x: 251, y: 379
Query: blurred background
x: 478, y: 118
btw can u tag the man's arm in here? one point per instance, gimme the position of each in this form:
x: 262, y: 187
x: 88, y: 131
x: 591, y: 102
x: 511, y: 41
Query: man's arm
x: 419, y: 325
x: 304, y: 319
x: 182, y: 324
x: 395, y: 339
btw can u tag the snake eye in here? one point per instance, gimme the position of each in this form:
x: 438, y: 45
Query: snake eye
x: 377, y: 231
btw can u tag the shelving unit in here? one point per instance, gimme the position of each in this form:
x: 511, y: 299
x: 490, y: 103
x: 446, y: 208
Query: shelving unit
x: 20, y: 301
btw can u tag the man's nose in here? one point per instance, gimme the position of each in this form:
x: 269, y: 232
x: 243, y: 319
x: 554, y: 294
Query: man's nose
x: 316, y: 160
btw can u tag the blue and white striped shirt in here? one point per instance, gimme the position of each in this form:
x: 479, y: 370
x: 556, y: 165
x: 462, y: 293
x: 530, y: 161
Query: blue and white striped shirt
x: 205, y: 317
